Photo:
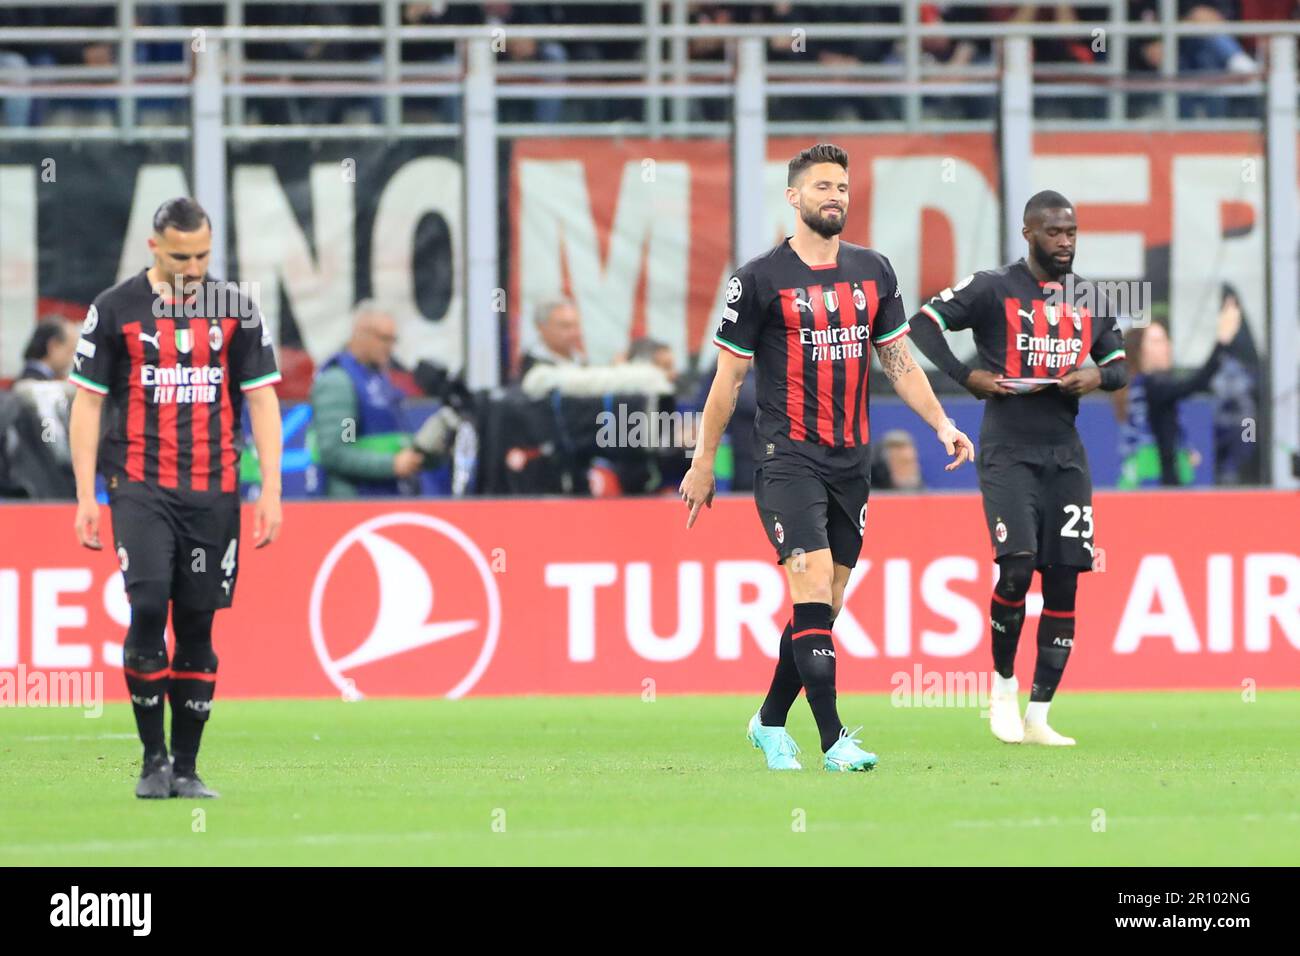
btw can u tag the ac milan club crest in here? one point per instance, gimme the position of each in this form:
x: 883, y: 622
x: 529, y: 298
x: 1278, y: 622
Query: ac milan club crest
x: 1000, y: 531
x: 780, y: 533
x: 859, y: 299
x: 214, y: 337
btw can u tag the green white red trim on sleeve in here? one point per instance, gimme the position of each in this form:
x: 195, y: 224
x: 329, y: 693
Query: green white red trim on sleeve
x: 1117, y: 354
x: 268, y: 379
x: 897, y: 333
x: 722, y: 343
x: 932, y: 313
x: 87, y: 384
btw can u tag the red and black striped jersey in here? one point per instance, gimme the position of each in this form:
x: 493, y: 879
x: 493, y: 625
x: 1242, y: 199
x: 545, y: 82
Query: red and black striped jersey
x: 173, y: 378
x: 1024, y: 328
x: 807, y: 328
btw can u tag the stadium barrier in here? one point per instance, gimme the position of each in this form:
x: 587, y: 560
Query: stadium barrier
x: 545, y: 596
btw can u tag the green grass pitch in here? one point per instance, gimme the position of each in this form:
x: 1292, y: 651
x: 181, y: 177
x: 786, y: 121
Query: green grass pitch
x: 1157, y: 778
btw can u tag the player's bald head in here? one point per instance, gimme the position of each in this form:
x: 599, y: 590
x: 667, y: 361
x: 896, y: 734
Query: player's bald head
x: 1042, y: 203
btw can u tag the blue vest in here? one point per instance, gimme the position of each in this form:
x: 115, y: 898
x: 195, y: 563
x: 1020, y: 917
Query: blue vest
x: 379, y: 413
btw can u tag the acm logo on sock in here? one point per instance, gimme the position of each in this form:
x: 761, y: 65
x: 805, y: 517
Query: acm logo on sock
x: 405, y: 604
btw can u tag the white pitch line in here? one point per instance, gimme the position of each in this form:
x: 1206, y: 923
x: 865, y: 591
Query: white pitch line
x: 47, y: 737
x: 305, y: 839
x: 1087, y: 821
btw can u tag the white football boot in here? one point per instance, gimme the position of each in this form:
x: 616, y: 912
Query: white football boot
x: 1004, y: 711
x: 1036, y: 729
x: 1037, y: 733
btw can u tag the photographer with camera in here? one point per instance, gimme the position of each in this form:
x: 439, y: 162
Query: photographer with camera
x: 358, y: 422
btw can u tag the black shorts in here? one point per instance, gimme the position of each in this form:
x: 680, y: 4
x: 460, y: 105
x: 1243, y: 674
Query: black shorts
x: 187, y: 541
x: 1038, y: 501
x: 803, y: 510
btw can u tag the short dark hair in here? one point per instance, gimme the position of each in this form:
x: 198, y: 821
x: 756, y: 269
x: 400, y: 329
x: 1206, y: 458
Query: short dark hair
x: 644, y: 349
x: 821, y: 153
x: 47, y: 331
x: 1041, y: 201
x: 182, y: 214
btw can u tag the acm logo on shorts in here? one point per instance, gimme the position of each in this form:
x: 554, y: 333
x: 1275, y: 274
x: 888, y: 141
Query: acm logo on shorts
x: 404, y: 604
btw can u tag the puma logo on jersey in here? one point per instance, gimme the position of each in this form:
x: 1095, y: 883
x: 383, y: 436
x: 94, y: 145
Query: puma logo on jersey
x: 802, y: 305
x: 1026, y: 315
x: 151, y: 339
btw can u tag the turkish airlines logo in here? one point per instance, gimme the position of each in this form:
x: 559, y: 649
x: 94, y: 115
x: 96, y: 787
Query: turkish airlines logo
x: 405, y: 604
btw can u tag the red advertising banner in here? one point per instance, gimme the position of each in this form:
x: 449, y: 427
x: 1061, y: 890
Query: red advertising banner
x: 638, y: 232
x: 429, y: 598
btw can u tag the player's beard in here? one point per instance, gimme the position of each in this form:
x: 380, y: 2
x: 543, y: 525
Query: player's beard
x: 824, y: 227
x: 187, y: 286
x: 1048, y: 263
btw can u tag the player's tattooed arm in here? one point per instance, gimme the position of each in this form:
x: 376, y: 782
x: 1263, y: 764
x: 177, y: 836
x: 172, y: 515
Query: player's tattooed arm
x: 913, y: 387
x: 896, y: 359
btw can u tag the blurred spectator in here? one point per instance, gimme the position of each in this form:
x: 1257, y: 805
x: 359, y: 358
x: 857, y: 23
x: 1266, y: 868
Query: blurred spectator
x: 819, y: 47
x: 13, y: 69
x: 1153, y: 446
x: 438, y: 13
x: 526, y: 50
x: 97, y: 54
x: 714, y: 49
x: 49, y: 352
x: 955, y: 55
x: 1061, y: 50
x: 630, y: 51
x: 1200, y: 54
x: 895, y: 465
x: 35, y: 459
x: 357, y: 414
x: 558, y: 331
x: 656, y: 353
x: 1235, y: 387
x: 309, y: 53
x: 1266, y: 10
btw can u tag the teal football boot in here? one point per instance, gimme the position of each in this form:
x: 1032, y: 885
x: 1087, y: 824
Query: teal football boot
x: 778, y: 746
x: 846, y: 756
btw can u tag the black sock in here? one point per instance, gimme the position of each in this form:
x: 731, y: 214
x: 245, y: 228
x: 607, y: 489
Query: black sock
x: 1007, y: 611
x: 1055, y: 631
x: 1055, y: 639
x: 144, y: 664
x: 194, y: 681
x: 785, y: 684
x: 191, y: 700
x: 814, y: 656
x: 147, y: 683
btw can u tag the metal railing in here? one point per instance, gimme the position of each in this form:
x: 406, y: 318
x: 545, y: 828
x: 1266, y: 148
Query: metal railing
x: 663, y: 78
